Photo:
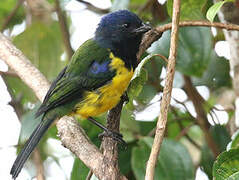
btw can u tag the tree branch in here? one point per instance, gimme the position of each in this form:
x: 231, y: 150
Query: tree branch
x: 64, y: 30
x: 229, y: 13
x: 156, y: 33
x: 202, y: 120
x: 93, y: 8
x: 162, y: 119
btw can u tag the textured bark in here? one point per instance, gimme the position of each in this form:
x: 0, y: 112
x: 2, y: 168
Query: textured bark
x: 109, y: 146
x: 229, y: 13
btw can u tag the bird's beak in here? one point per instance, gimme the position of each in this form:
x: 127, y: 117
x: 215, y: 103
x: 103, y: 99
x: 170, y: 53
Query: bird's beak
x: 142, y: 29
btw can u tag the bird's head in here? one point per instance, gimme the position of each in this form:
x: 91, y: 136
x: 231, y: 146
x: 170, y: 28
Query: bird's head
x: 121, y: 31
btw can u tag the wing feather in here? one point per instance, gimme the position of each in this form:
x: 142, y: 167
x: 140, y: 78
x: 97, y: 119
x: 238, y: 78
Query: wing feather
x: 77, y: 78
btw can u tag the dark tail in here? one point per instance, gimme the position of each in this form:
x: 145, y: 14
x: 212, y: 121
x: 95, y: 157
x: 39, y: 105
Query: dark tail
x: 30, y: 146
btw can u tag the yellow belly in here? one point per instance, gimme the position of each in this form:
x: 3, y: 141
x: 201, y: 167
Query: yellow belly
x: 108, y: 96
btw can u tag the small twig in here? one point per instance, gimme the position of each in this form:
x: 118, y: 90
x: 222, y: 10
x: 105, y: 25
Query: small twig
x: 64, y: 30
x: 93, y: 8
x: 211, y: 115
x: 162, y: 120
x: 11, y: 15
x: 8, y: 73
x: 163, y: 57
x: 168, y: 26
x: 156, y: 33
x: 192, y: 141
x: 184, y: 131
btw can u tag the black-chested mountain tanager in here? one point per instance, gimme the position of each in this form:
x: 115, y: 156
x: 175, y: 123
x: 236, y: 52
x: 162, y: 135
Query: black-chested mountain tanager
x: 94, y: 80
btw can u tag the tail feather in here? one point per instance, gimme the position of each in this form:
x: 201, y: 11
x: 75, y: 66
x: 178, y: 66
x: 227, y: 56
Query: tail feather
x: 30, y: 146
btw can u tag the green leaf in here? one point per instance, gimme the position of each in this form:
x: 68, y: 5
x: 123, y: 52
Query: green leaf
x: 128, y: 125
x: 235, y: 140
x: 6, y: 8
x: 124, y: 158
x: 220, y: 136
x: 146, y: 126
x: 217, y: 73
x: 138, y: 81
x: 147, y: 93
x: 175, y: 127
x: 226, y: 167
x: 207, y: 160
x: 79, y: 170
x: 213, y: 10
x: 194, y: 49
x: 190, y: 9
x: 42, y: 44
x: 155, y: 68
x: 173, y: 155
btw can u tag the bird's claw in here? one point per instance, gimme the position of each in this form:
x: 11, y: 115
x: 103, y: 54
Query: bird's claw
x: 114, y: 135
x: 125, y: 97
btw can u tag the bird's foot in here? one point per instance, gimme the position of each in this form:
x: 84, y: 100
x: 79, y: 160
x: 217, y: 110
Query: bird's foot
x: 125, y: 97
x: 114, y: 135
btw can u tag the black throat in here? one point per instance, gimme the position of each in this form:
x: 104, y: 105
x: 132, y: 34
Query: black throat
x: 125, y: 50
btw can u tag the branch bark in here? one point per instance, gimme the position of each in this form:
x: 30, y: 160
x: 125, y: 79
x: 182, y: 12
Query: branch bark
x: 229, y: 13
x: 162, y: 119
x: 109, y: 146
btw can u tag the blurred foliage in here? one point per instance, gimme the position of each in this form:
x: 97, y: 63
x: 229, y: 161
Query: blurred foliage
x: 235, y: 140
x: 190, y: 9
x: 5, y: 10
x: 180, y: 164
x: 41, y: 42
x: 193, y: 51
x: 222, y: 138
x: 79, y: 170
x: 213, y: 10
x: 217, y: 73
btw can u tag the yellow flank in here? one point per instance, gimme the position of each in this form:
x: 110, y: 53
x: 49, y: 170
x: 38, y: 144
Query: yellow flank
x: 106, y: 97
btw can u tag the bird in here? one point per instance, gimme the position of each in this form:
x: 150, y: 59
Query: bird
x: 95, y: 79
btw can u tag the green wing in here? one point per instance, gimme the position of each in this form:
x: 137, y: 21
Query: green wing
x: 87, y: 71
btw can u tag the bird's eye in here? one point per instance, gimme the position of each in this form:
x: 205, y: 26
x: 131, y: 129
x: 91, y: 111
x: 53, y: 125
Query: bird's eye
x: 126, y: 25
